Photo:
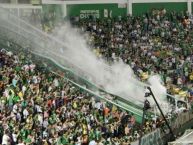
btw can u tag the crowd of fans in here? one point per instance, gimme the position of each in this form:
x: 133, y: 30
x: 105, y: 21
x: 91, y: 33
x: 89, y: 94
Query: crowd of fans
x: 36, y: 105
x: 159, y: 42
x: 39, y: 107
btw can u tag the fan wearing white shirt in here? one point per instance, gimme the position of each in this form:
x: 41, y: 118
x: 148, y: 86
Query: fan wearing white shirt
x: 6, y: 139
x: 92, y: 142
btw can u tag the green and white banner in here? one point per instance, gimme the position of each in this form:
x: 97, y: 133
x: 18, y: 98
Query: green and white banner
x: 85, y: 11
x: 85, y: 14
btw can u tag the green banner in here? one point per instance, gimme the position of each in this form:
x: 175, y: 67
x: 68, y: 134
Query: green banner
x: 142, y: 8
x: 85, y: 11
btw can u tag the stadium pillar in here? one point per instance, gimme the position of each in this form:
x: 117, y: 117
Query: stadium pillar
x: 64, y: 10
x: 129, y: 7
x: 189, y: 5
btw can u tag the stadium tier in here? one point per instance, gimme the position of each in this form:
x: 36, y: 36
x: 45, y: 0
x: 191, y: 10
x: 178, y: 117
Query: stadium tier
x: 96, y: 73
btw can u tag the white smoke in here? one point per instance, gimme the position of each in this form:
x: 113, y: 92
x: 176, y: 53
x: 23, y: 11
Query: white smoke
x: 157, y: 87
x: 68, y: 47
x: 117, y: 78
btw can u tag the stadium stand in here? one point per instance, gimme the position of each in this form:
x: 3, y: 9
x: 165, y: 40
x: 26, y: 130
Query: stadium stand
x: 37, y: 105
x: 159, y: 42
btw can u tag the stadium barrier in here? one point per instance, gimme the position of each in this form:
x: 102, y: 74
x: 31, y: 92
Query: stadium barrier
x: 162, y: 136
x: 153, y: 138
x: 181, y: 119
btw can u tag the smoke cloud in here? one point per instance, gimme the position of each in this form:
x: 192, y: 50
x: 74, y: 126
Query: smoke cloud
x: 69, y: 48
x: 117, y: 78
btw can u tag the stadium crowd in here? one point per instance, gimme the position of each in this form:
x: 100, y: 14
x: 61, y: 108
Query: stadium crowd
x: 159, y: 42
x: 36, y: 105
